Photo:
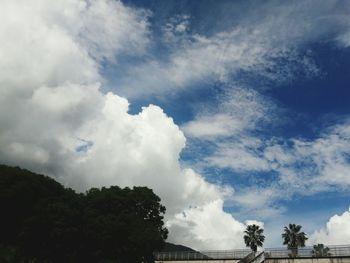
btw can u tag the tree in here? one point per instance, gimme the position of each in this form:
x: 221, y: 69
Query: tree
x: 254, y: 237
x: 20, y: 191
x: 54, y: 231
x: 124, y: 225
x: 44, y: 222
x: 293, y: 238
x: 320, y: 251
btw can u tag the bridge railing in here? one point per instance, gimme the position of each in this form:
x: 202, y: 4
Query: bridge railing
x: 246, y: 254
x: 194, y: 255
x: 308, y: 252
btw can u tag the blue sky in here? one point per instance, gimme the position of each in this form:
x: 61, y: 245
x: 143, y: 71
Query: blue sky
x: 234, y: 112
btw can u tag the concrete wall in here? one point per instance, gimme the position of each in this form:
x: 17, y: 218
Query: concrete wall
x: 202, y: 261
x: 308, y: 260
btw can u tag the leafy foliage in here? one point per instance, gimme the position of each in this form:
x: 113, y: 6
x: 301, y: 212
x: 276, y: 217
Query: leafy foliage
x: 254, y: 237
x: 44, y: 222
x: 293, y: 238
x: 320, y: 251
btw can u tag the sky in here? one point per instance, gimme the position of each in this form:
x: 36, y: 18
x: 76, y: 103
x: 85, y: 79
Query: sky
x: 233, y: 112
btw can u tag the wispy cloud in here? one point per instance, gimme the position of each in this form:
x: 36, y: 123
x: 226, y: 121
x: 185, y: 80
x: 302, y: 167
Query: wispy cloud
x: 217, y: 58
x: 240, y: 110
x: 300, y: 166
x: 270, y: 42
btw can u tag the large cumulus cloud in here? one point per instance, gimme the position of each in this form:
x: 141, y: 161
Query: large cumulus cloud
x: 56, y: 120
x: 336, y: 231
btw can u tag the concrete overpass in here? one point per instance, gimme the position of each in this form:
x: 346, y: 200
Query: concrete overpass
x: 333, y: 254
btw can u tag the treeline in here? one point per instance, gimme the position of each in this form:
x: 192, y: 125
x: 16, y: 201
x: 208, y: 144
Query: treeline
x: 41, y: 221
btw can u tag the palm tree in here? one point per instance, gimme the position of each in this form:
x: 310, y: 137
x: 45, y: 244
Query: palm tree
x: 293, y: 238
x: 320, y: 251
x: 254, y: 237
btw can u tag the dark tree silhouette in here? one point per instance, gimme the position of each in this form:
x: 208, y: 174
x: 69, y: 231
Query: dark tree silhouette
x: 293, y: 238
x: 320, y: 251
x: 42, y: 221
x: 126, y: 224
x: 254, y: 237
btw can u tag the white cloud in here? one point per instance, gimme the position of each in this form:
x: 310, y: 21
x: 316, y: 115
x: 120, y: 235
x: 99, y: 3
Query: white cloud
x: 268, y: 41
x: 206, y: 225
x: 295, y: 166
x: 229, y: 126
x: 51, y: 105
x: 241, y: 110
x: 202, y: 59
x: 211, y: 126
x: 239, y: 157
x: 302, y: 167
x: 230, y: 129
x: 336, y: 231
x: 255, y: 197
x: 104, y: 38
x: 176, y: 28
x: 50, y: 45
